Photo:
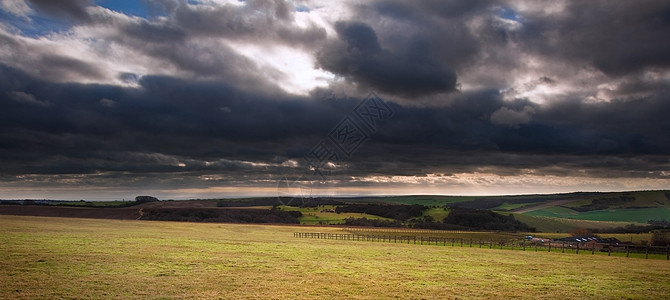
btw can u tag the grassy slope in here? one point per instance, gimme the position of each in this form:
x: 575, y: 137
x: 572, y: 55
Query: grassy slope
x: 648, y: 205
x: 437, y: 213
x: 638, y: 215
x: 314, y: 215
x: 551, y: 224
x: 84, y: 258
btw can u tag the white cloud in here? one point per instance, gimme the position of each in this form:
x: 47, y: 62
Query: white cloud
x: 298, y: 74
x: 18, y: 8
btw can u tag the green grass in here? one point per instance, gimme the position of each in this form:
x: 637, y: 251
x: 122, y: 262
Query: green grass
x: 449, y: 234
x: 46, y: 258
x: 552, y: 224
x: 438, y: 213
x: 642, y: 199
x: 511, y: 206
x: 314, y: 215
x: 638, y: 215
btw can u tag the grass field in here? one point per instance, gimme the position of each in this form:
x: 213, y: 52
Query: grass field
x: 86, y: 258
x: 639, y: 215
x: 316, y: 215
x: 553, y: 224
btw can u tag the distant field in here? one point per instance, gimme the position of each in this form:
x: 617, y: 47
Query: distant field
x: 46, y: 258
x: 428, y: 200
x: 553, y: 224
x: 93, y: 203
x: 316, y: 215
x: 639, y: 215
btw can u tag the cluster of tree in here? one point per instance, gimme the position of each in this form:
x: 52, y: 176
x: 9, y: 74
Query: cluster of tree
x: 428, y: 222
x: 660, y: 223
x: 145, y: 199
x: 604, y: 203
x: 484, y: 220
x: 371, y: 222
x: 458, y: 219
x: 222, y: 215
x: 660, y: 237
x: 397, y: 212
x: 631, y: 228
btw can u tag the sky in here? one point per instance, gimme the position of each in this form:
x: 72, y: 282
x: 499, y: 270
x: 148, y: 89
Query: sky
x: 106, y: 100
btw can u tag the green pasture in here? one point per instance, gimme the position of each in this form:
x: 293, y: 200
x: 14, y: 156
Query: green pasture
x: 47, y: 258
x: 449, y: 234
x: 316, y: 215
x: 553, y: 224
x: 437, y: 213
x: 511, y: 206
x: 638, y: 215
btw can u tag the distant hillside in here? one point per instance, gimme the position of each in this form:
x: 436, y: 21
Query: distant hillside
x: 634, y: 206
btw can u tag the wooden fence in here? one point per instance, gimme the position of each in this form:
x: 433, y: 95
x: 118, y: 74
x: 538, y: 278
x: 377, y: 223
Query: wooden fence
x: 627, y: 250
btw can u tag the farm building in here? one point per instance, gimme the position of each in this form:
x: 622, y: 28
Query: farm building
x: 588, y: 239
x: 589, y: 242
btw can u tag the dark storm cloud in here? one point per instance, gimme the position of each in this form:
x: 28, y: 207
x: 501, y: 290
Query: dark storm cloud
x: 202, y: 127
x: 359, y: 56
x: 617, y: 37
x: 172, y: 117
x: 218, y: 114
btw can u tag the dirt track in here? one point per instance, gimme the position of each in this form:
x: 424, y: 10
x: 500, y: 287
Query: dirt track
x: 544, y: 205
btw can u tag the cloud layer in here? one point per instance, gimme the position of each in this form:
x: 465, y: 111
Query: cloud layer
x: 196, y: 96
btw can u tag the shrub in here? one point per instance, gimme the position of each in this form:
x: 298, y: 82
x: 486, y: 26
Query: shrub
x: 145, y: 199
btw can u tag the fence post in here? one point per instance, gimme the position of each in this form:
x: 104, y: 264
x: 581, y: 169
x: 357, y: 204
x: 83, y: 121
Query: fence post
x: 577, y: 248
x: 667, y: 252
x: 490, y: 244
x: 563, y: 247
x: 501, y: 243
x: 523, y: 244
x: 536, y: 246
x: 609, y: 250
x: 627, y: 250
x: 646, y: 253
x: 470, y: 243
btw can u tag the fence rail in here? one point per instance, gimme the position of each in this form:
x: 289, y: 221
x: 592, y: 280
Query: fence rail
x: 626, y: 250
